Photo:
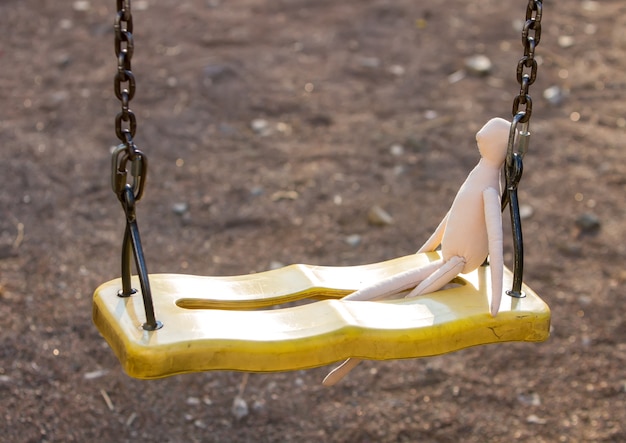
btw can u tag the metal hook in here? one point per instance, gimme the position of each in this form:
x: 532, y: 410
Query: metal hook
x: 119, y: 172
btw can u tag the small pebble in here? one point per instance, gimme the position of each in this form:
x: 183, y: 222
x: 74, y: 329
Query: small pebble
x: 81, y: 6
x: 180, y: 208
x: 532, y: 418
x: 63, y: 60
x: 589, y: 5
x: 284, y: 195
x: 588, y: 223
x: 430, y: 114
x: 529, y: 399
x: 526, y: 212
x: 54, y: 100
x: 590, y: 28
x: 260, y: 126
x: 369, y: 62
x: 456, y: 77
x: 66, y: 24
x: 201, y: 424
x: 554, y: 95
x: 397, y: 70
x: 377, y: 216
x: 478, y: 65
x: 257, y: 191
x: 396, y: 150
x: 284, y: 128
x: 193, y: 401
x: 258, y: 405
x: 131, y: 418
x: 140, y: 5
x: 353, y: 240
x: 240, y: 408
x: 566, y: 41
x: 95, y: 374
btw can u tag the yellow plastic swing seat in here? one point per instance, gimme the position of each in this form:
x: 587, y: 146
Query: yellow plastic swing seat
x: 235, y: 323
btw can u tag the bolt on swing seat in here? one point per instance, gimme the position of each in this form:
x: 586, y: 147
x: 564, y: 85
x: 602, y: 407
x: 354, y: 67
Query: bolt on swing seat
x: 227, y: 323
x: 250, y: 323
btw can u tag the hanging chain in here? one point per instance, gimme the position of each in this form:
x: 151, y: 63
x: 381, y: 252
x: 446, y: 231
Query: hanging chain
x: 127, y: 155
x: 124, y: 84
x: 527, y: 66
x: 519, y: 136
x: 126, y: 127
x: 125, y: 121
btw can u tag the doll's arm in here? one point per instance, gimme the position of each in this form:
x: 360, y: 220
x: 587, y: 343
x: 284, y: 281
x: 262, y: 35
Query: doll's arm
x: 435, y: 239
x: 493, y: 220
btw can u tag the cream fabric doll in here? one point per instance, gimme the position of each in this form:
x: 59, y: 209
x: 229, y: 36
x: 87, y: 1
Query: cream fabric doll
x: 471, y: 230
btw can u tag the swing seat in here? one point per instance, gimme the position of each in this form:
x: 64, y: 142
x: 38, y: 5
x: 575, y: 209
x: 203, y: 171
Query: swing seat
x: 242, y: 323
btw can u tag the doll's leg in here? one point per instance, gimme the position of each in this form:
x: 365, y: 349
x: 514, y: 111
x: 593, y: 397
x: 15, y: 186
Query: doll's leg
x: 440, y: 277
x: 386, y: 287
x: 396, y: 283
x: 380, y: 290
x: 340, y: 371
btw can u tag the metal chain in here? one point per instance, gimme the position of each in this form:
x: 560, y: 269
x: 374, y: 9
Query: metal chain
x: 126, y: 127
x: 125, y: 153
x: 124, y: 84
x: 527, y: 66
x: 125, y: 121
x: 519, y: 136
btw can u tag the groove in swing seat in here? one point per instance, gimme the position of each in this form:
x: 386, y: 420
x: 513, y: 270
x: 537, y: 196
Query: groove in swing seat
x: 214, y: 323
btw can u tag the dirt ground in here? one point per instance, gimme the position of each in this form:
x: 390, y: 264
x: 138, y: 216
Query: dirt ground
x: 271, y: 129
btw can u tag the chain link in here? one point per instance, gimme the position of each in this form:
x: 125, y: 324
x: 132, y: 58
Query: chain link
x: 527, y: 66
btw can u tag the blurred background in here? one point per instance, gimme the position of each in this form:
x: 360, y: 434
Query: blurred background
x: 320, y: 132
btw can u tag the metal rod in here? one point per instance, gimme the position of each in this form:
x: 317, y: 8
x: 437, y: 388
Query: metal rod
x: 127, y: 289
x: 514, y: 174
x: 132, y: 228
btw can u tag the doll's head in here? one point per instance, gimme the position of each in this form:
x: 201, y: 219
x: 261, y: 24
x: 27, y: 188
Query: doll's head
x: 493, y: 139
